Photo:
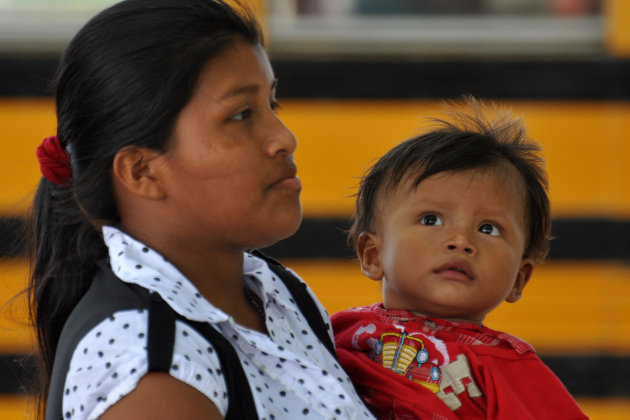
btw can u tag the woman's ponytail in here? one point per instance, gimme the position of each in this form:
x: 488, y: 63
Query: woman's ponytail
x: 64, y: 249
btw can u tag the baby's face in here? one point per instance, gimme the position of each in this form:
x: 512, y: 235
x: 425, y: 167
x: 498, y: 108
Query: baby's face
x: 452, y: 247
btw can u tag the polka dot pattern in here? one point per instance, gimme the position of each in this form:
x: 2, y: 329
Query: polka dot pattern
x: 291, y: 374
x: 107, y: 364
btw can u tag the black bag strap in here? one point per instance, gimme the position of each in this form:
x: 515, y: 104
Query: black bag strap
x: 303, y: 299
x: 241, y: 404
x: 161, y: 335
x: 109, y: 295
x: 161, y: 340
x: 102, y: 299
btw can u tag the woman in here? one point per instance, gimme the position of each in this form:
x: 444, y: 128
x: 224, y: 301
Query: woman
x: 168, y: 163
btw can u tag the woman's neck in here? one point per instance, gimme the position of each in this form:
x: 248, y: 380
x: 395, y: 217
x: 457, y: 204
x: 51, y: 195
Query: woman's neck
x: 216, y: 272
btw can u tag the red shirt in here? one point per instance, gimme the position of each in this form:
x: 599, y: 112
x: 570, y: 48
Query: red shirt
x: 410, y: 367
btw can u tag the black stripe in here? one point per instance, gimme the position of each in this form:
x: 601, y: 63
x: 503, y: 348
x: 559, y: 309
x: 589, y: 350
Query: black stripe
x: 575, y: 239
x: 27, y: 76
x: 602, y: 78
x: 590, y: 239
x: 13, y: 237
x: 593, y: 375
x: 17, y: 372
x: 316, y: 238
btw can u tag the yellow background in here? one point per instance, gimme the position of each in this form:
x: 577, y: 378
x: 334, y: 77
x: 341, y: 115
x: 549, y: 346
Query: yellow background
x: 569, y: 308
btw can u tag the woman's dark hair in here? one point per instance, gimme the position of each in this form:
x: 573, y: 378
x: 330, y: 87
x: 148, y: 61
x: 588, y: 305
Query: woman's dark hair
x: 122, y: 80
x: 483, y: 138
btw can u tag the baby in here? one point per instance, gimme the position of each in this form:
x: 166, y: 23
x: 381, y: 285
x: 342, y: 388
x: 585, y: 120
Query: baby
x: 452, y: 223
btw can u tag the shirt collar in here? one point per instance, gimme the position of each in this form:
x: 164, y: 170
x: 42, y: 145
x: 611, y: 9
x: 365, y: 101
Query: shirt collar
x: 467, y: 331
x: 134, y: 262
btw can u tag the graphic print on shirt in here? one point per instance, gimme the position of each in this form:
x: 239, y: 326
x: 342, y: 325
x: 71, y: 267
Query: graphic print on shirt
x: 457, y: 378
x: 425, y: 360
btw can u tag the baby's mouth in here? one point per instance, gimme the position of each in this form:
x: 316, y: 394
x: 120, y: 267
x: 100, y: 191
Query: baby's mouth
x: 457, y: 270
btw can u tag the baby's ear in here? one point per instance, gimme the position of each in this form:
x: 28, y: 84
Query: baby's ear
x: 369, y: 253
x: 522, y: 278
x: 133, y: 170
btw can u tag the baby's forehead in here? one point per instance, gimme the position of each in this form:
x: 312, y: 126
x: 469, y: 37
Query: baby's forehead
x: 504, y: 174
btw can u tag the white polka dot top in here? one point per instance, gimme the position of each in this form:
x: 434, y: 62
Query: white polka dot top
x: 290, y: 373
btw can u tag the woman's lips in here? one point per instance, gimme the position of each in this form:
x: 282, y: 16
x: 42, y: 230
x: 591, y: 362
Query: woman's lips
x: 290, y: 183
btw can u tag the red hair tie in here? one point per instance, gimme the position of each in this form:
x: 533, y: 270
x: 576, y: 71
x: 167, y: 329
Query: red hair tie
x: 54, y: 161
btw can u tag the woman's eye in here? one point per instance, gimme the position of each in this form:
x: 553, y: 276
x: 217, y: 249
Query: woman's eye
x: 431, y: 220
x: 489, y: 229
x: 242, y: 115
x: 275, y: 106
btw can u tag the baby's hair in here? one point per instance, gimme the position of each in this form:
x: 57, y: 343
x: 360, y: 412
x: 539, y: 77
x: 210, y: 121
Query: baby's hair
x: 477, y: 135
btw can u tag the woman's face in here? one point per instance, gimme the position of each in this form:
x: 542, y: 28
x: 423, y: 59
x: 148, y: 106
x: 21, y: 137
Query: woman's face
x: 231, y: 179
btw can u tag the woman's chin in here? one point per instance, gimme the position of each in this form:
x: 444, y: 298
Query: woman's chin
x: 281, y: 231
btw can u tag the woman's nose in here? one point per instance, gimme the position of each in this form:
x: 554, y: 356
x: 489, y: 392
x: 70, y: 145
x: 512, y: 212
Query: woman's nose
x: 280, y: 139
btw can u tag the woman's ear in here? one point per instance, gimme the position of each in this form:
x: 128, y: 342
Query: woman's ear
x: 369, y: 253
x: 133, y: 170
x: 522, y: 278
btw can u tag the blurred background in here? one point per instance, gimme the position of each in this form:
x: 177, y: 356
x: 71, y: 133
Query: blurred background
x: 358, y: 76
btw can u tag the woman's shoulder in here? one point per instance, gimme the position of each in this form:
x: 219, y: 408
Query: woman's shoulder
x: 104, y: 351
x: 106, y: 364
x: 112, y: 359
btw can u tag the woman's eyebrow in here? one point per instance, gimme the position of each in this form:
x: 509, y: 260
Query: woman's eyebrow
x: 240, y: 90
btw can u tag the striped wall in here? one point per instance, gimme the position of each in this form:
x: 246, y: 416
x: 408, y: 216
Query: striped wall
x: 346, y: 113
x: 576, y: 311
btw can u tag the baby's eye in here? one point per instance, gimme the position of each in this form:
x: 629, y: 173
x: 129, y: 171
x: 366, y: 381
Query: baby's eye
x: 489, y: 229
x: 431, y: 220
x: 242, y: 115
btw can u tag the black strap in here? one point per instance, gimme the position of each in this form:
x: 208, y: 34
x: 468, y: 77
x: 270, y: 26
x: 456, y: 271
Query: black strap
x: 303, y: 300
x: 161, y: 340
x: 161, y: 335
x: 241, y: 404
x: 106, y: 296
x: 109, y: 295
